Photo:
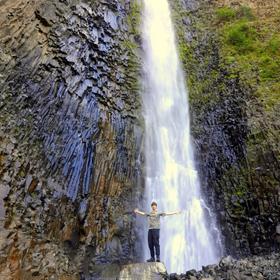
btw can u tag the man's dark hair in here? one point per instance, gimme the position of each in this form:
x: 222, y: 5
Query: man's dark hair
x: 153, y: 203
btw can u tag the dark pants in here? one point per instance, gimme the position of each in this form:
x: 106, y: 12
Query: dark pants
x: 153, y: 240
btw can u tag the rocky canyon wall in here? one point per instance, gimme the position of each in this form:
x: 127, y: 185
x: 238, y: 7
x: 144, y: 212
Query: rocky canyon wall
x: 71, y: 128
x: 231, y: 54
x: 70, y: 136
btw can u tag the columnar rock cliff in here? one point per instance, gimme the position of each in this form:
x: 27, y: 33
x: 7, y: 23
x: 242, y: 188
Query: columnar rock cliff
x: 71, y: 129
x: 70, y: 135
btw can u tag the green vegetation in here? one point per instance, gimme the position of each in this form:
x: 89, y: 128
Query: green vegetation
x: 251, y: 47
x: 241, y: 35
x: 225, y: 14
x: 273, y: 46
x: 245, y: 12
x: 134, y: 17
x: 131, y: 45
x: 269, y: 68
x: 201, y: 98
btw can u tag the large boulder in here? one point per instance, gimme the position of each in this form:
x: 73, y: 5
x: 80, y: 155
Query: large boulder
x: 141, y: 271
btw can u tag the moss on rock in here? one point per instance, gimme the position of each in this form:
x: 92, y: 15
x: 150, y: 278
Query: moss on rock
x: 230, y: 55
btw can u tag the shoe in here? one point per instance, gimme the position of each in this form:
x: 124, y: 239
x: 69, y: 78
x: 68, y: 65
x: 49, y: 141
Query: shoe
x: 151, y: 260
x: 158, y: 259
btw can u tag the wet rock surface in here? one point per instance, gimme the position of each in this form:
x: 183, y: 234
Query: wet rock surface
x: 70, y: 137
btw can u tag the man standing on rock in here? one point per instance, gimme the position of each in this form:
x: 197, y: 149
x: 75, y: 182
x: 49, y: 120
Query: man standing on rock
x: 154, y: 227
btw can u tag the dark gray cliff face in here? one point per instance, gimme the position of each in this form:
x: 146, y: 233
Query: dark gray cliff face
x: 236, y: 140
x: 70, y: 135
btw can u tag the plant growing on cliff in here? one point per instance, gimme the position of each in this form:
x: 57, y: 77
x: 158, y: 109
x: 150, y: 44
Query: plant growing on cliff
x: 131, y: 45
x: 269, y: 68
x: 245, y: 13
x: 241, y: 35
x: 134, y: 17
x: 273, y: 45
x: 225, y: 14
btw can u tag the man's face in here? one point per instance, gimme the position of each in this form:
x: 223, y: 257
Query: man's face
x: 154, y: 207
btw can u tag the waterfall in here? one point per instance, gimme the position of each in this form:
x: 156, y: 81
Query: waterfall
x: 190, y: 239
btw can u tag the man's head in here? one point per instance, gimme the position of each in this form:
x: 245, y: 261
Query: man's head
x: 154, y: 205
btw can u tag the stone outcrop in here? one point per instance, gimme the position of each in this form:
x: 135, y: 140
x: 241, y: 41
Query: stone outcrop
x: 70, y: 136
x: 144, y: 271
x: 132, y: 271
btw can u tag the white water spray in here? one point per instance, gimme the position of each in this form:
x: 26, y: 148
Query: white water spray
x: 187, y: 239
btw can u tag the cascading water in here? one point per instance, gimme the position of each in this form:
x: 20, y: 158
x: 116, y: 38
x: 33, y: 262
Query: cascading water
x: 186, y: 239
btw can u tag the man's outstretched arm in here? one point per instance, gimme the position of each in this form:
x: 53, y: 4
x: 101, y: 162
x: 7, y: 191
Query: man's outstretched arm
x: 172, y: 213
x: 139, y: 212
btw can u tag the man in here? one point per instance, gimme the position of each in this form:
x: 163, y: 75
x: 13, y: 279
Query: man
x: 154, y: 227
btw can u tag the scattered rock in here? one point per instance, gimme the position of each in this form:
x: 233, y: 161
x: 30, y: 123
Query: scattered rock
x: 257, y: 268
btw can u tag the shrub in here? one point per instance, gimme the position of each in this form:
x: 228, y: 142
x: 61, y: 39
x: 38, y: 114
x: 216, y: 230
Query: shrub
x: 269, y: 67
x: 241, y: 35
x: 245, y: 12
x: 225, y: 13
x: 274, y: 45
